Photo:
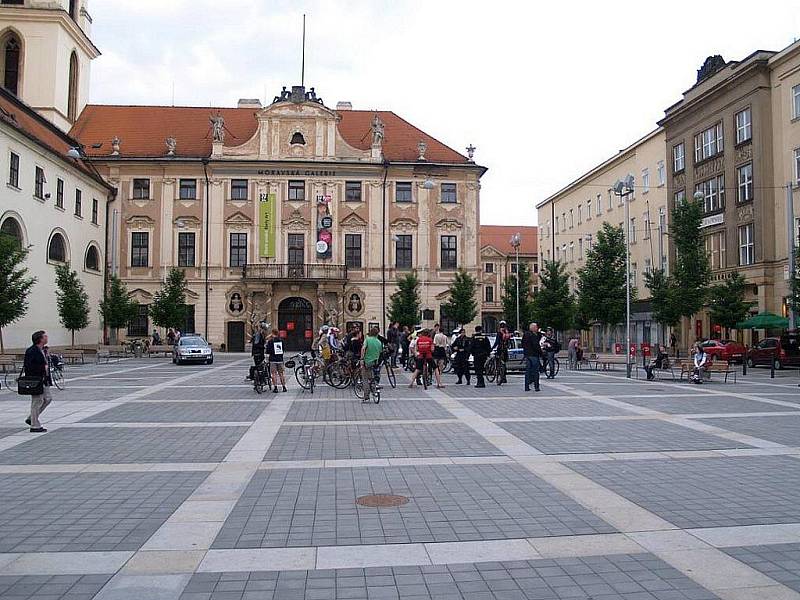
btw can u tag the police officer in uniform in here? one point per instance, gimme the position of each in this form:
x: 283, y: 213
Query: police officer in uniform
x: 480, y: 352
x: 461, y: 346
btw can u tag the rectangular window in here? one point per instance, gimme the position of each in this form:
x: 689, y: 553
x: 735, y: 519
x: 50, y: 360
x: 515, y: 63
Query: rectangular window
x: 747, y: 254
x: 571, y: 218
x: 188, y: 189
x: 556, y: 229
x: 796, y: 101
x: 678, y: 157
x: 713, y: 191
x: 633, y: 274
x: 185, y: 249
x: 238, y: 250
x: 648, y: 265
x: 580, y: 214
x: 95, y: 210
x: 13, y: 170
x: 449, y: 252
x: 78, y: 203
x: 632, y: 230
x: 797, y: 164
x: 610, y: 200
x: 680, y: 197
x: 402, y: 191
x: 488, y: 268
x: 572, y: 251
x: 141, y: 189
x: 297, y: 190
x: 744, y: 126
x: 352, y: 191
x: 59, y: 193
x: 744, y: 183
x: 645, y: 180
x: 140, y: 242
x: 297, y: 248
x: 646, y: 221
x: 352, y: 250
x: 489, y: 293
x: 513, y: 267
x: 449, y: 193
x: 403, y: 252
x: 715, y: 250
x: 662, y: 220
x: 239, y: 189
x: 662, y: 173
x: 599, y: 210
x: 708, y: 143
x: 580, y: 248
x: 38, y: 183
x: 589, y: 209
x: 563, y: 221
x: 138, y: 326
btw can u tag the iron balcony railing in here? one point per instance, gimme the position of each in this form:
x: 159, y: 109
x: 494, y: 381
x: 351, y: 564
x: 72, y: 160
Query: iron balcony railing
x: 298, y: 272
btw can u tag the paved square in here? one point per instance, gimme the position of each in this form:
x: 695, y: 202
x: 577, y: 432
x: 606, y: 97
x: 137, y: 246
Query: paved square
x: 541, y: 407
x: 567, y: 437
x: 180, y: 412
x: 783, y: 430
x: 51, y: 587
x: 779, y: 561
x: 325, y: 410
x: 303, y: 507
x: 6, y: 431
x: 216, y: 391
x: 314, y: 442
x: 513, y: 389
x: 71, y: 512
x: 706, y: 404
x: 125, y: 445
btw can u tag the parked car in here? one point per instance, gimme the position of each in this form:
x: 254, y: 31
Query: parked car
x: 727, y: 350
x: 192, y: 348
x: 782, y: 351
x: 516, y: 359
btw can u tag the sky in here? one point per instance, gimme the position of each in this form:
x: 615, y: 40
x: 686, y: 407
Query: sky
x: 545, y: 91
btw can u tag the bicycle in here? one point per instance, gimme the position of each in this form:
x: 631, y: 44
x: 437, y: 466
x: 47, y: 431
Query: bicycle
x: 494, y: 367
x: 262, y: 378
x: 305, y: 373
x: 556, y: 366
x: 387, y: 364
x: 56, y: 370
x: 11, y: 377
x: 373, y: 389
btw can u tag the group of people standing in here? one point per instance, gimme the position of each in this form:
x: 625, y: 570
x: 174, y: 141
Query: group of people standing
x: 267, y: 346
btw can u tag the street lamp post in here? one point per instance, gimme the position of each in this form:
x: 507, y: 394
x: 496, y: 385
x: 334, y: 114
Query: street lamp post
x: 622, y: 188
x: 515, y: 242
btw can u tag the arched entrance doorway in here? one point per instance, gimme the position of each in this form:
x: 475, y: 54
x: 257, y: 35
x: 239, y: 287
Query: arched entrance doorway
x: 296, y: 322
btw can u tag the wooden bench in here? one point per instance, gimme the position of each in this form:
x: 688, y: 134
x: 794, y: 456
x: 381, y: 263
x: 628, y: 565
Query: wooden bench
x: 658, y: 371
x: 159, y: 349
x: 8, y: 362
x: 687, y: 368
x: 72, y: 356
x: 108, y: 352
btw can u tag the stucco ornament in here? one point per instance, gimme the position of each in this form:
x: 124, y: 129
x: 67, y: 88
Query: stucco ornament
x: 172, y: 145
x: 377, y: 131
x: 217, y: 127
x: 471, y: 153
x: 115, y: 144
x: 422, y: 147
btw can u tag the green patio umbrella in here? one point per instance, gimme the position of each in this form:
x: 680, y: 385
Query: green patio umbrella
x: 764, y: 320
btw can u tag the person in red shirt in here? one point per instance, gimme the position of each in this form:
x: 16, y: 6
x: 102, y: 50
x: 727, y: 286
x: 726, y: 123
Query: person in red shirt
x: 425, y: 355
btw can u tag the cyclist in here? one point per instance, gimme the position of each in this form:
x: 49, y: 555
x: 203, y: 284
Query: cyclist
x: 424, y: 345
x: 551, y: 347
x: 461, y: 346
x: 274, y: 349
x: 258, y: 343
x: 480, y: 352
x: 371, y: 352
x: 439, y: 347
x: 501, y: 343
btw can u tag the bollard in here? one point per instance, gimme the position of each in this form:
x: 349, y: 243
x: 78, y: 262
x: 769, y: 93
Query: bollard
x: 772, y: 369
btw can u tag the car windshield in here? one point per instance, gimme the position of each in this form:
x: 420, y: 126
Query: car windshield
x: 193, y: 341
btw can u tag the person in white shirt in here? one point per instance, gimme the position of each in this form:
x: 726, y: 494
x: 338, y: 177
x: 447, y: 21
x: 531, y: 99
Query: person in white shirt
x: 700, y: 361
x: 440, y: 343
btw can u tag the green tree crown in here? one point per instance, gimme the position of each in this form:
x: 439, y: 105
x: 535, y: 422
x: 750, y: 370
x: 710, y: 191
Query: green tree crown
x: 554, y: 305
x: 15, y: 284
x: 71, y: 299
x: 169, y: 303
x: 462, y: 306
x: 404, y: 304
x: 117, y: 308
x: 509, y: 298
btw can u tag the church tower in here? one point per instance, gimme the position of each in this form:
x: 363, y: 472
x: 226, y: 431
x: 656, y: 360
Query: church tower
x: 46, y: 54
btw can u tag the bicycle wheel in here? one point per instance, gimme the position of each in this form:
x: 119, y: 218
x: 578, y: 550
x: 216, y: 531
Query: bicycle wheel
x: 337, y: 376
x: 258, y: 383
x: 376, y: 393
x: 301, y: 375
x: 501, y: 371
x: 359, y: 390
x: 390, y: 376
x: 57, y: 377
x: 490, y: 370
x: 556, y: 367
x: 425, y: 374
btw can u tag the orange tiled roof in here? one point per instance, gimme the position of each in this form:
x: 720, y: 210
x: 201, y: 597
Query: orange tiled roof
x: 498, y: 236
x: 143, y: 129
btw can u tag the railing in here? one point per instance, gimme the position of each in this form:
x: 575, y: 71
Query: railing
x: 288, y: 272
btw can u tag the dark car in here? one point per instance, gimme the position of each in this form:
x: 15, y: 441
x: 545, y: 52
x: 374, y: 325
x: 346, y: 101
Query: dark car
x: 192, y: 348
x: 727, y: 350
x: 781, y: 351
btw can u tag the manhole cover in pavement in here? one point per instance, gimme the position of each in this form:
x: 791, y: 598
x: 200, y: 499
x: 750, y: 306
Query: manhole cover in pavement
x: 381, y: 500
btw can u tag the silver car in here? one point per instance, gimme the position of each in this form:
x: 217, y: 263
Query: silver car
x: 516, y: 358
x: 192, y: 348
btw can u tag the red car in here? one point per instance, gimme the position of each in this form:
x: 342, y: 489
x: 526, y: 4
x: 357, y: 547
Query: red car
x: 727, y: 350
x: 782, y: 351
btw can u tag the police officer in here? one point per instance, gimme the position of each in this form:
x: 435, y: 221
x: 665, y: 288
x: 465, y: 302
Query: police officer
x: 461, y: 347
x: 501, y: 343
x: 480, y: 352
x: 259, y: 342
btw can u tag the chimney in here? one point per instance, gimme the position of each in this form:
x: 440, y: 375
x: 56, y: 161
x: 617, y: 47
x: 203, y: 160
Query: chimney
x: 344, y: 105
x: 249, y: 103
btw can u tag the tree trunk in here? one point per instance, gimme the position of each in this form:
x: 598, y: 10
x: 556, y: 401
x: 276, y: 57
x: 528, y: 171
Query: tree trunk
x: 2, y: 349
x: 72, y: 331
x: 112, y: 334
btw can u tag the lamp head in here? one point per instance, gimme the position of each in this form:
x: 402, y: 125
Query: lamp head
x: 629, y: 181
x: 618, y: 187
x: 698, y: 196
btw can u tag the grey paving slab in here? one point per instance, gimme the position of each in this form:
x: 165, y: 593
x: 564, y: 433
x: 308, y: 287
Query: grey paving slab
x: 567, y: 437
x: 535, y: 407
x: 706, y: 492
x: 205, y: 392
x: 325, y: 410
x: 52, y: 587
x: 514, y: 389
x: 118, y: 445
x: 70, y: 394
x: 310, y: 442
x: 783, y: 430
x: 317, y: 507
x: 781, y: 562
x: 79, y: 512
x: 6, y: 431
x: 707, y: 404
x: 620, y: 577
x: 180, y: 412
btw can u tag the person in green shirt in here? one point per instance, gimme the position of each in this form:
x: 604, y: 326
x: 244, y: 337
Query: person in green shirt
x: 370, y: 355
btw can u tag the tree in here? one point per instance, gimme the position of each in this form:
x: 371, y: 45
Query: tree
x: 509, y: 298
x: 462, y: 306
x: 169, y: 303
x: 727, y: 303
x: 117, y: 308
x: 404, y: 304
x: 794, y: 286
x: 665, y: 298
x: 601, y: 283
x: 15, y: 285
x: 554, y: 305
x: 692, y: 271
x: 72, y: 300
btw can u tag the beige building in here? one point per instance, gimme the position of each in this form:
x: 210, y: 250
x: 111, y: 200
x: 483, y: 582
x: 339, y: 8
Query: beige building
x: 499, y: 262
x: 570, y: 219
x: 294, y: 213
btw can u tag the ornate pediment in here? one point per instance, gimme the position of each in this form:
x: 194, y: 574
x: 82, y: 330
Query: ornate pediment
x: 140, y: 295
x: 192, y: 295
x: 296, y: 219
x: 353, y: 220
x: 140, y: 221
x: 404, y: 224
x: 491, y: 252
x: 448, y: 224
x: 239, y: 220
x: 188, y: 221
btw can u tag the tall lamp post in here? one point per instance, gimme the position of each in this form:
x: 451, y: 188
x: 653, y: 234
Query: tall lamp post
x: 515, y: 242
x: 622, y: 188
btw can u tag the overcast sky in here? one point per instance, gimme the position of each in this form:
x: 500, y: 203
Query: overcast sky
x: 545, y: 91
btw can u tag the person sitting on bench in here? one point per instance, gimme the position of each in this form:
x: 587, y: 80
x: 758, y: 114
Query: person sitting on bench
x: 700, y: 363
x: 661, y: 362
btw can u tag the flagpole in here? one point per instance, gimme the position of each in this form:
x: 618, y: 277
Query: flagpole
x: 303, y: 65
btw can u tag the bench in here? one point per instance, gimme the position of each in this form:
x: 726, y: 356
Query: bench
x: 8, y: 362
x: 159, y: 349
x: 658, y: 371
x: 72, y: 356
x: 687, y: 368
x: 108, y: 352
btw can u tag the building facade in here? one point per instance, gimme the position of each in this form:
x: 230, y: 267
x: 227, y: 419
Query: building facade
x: 570, y: 219
x: 499, y: 261
x: 293, y: 213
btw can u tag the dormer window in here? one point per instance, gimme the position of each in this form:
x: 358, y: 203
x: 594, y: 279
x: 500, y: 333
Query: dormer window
x: 298, y: 139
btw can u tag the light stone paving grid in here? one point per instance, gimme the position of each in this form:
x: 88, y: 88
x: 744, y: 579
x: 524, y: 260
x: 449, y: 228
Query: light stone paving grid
x: 222, y: 392
x: 10, y: 431
x: 180, y: 412
x: 125, y: 445
x: 783, y: 430
x: 513, y: 389
x: 779, y: 561
x: 308, y: 442
x: 567, y: 437
x: 706, y: 404
x: 90, y: 511
x: 316, y: 507
x: 621, y: 577
x: 70, y: 394
x: 325, y: 410
x: 706, y: 492
x: 536, y: 407
x: 51, y: 587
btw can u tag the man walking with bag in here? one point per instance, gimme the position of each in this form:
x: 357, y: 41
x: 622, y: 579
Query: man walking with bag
x: 36, y: 367
x: 532, y: 349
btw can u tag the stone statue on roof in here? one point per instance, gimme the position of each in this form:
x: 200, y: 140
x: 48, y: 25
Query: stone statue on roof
x: 115, y: 144
x: 377, y: 131
x: 217, y: 127
x: 172, y: 145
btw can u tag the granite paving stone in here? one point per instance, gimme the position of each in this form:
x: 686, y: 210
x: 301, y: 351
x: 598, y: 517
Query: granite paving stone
x: 193, y: 391
x: 317, y: 507
x: 6, y: 431
x: 779, y: 561
x: 783, y: 430
x: 536, y: 407
x: 708, y: 404
x: 513, y: 389
x: 322, y: 410
x: 180, y: 412
x: 51, y: 587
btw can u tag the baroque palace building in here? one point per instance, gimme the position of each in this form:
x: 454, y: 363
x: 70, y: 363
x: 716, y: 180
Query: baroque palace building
x: 293, y: 213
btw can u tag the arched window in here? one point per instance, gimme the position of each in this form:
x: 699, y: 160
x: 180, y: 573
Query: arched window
x: 12, y: 58
x: 72, y: 99
x: 92, y: 262
x: 297, y: 138
x: 57, y: 249
x: 12, y: 228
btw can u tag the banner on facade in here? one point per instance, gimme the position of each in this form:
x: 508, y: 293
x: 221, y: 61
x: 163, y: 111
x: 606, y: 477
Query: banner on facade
x: 267, y: 206
x: 324, y: 226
